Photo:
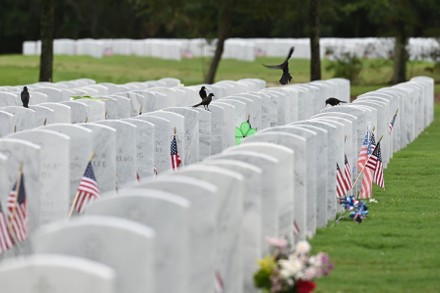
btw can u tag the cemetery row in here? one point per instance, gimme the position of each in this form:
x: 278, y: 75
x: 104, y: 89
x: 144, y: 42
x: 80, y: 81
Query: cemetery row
x: 235, y: 48
x: 202, y: 225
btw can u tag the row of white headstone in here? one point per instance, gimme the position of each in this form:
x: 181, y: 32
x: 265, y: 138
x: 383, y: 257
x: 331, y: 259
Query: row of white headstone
x: 236, y: 48
x: 205, y: 224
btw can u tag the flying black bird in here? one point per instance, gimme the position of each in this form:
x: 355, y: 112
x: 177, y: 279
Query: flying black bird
x: 205, y: 102
x: 333, y: 101
x: 202, y: 92
x: 286, y: 77
x: 25, y: 97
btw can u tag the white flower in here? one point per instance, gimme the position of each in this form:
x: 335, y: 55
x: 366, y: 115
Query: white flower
x: 310, y: 273
x: 290, y: 267
x: 303, y: 247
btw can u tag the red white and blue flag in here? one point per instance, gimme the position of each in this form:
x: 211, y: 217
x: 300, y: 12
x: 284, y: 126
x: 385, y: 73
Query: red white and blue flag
x: 88, y: 190
x: 367, y: 178
x: 175, y: 158
x: 347, y: 172
x: 18, y: 210
x: 375, y: 164
x: 391, y: 124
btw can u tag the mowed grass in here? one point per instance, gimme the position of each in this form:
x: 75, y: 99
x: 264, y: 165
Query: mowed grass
x: 20, y: 70
x: 397, y: 248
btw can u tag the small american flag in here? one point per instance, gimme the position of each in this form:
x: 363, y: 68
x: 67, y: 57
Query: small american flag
x: 18, y: 210
x: 219, y: 286
x: 367, y: 179
x: 341, y: 188
x: 391, y: 124
x: 348, y: 180
x: 175, y: 158
x: 375, y: 164
x: 88, y: 189
x: 5, y: 238
x: 362, y: 157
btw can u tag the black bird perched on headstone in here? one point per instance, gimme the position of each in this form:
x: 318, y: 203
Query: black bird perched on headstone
x: 286, y: 77
x: 25, y: 97
x: 205, y: 102
x: 333, y: 101
x: 202, y: 93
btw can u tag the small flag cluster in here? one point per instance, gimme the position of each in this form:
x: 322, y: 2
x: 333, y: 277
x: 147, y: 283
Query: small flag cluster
x: 14, y: 226
x: 370, y: 164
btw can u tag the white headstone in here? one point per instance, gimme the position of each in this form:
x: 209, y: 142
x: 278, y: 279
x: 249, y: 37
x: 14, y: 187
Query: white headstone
x: 145, y: 144
x: 125, y: 246
x: 191, y: 132
x: 167, y: 214
x: 104, y: 160
x: 80, y: 151
x: 46, y: 273
x: 54, y: 172
x: 24, y: 118
x: 202, y: 225
x: 229, y: 203
x: 252, y: 211
x: 62, y: 113
x: 126, y: 152
x: 162, y: 156
x: 79, y: 111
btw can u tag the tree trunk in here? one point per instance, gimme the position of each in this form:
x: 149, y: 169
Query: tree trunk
x: 224, y: 29
x: 315, y: 63
x: 46, y: 57
x: 400, y: 54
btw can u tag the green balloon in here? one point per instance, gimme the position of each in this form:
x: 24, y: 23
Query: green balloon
x: 238, y: 132
x: 244, y: 127
x: 251, y: 131
x: 238, y: 140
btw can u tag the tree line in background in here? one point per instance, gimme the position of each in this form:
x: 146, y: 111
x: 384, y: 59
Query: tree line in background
x: 22, y: 20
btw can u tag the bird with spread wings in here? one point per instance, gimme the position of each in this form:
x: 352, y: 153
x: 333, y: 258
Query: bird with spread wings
x: 286, y: 77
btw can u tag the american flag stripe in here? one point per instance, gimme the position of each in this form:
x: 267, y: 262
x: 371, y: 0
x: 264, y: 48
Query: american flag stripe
x: 367, y: 178
x: 362, y: 157
x: 340, y: 186
x: 19, y: 223
x: 18, y: 210
x: 5, y: 236
x: 378, y: 175
x: 378, y: 170
x: 366, y: 188
x: 347, y: 170
x: 218, y: 285
x: 175, y: 158
x: 88, y: 189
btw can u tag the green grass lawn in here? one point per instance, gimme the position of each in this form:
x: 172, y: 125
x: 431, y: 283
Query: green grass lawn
x: 397, y: 248
x: 19, y: 69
